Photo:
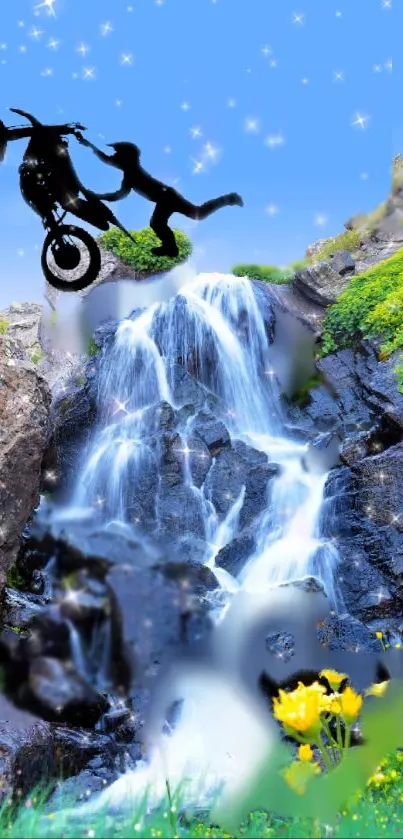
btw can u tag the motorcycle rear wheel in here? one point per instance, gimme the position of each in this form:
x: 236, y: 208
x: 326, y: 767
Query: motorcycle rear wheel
x: 70, y: 231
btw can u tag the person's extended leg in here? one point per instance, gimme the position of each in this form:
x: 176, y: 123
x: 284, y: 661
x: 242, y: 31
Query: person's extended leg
x: 159, y: 224
x: 173, y: 202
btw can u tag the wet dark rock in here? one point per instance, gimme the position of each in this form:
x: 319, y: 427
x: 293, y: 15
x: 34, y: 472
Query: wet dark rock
x: 84, y: 607
x: 26, y: 750
x: 234, y: 556
x: 347, y: 633
x: 180, y: 510
x: 342, y: 262
x: 212, y: 431
x: 73, y: 419
x: 368, y: 539
x: 281, y: 645
x: 38, y: 582
x: 187, y: 390
x: 18, y: 608
x: 48, y: 635
x: 174, y: 456
x: 77, y: 790
x: 61, y: 694
x: 230, y: 473
x: 156, y: 612
x: 98, y: 549
x: 34, y: 752
x: 190, y: 549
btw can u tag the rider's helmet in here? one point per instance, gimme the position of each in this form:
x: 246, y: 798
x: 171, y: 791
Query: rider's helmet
x: 126, y: 153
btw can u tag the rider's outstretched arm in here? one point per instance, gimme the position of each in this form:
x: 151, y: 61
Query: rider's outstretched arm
x: 123, y: 192
x: 106, y: 158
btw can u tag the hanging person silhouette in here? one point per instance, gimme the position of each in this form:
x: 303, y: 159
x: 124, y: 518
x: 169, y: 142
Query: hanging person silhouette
x: 166, y: 199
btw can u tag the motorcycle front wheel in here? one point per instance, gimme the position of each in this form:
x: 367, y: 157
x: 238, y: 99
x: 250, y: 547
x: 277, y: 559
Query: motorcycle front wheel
x: 67, y: 257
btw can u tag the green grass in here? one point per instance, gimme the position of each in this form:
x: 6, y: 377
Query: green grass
x: 371, y: 306
x: 264, y: 273
x: 92, y: 348
x: 376, y: 812
x: 3, y: 326
x: 349, y: 240
x: 139, y: 256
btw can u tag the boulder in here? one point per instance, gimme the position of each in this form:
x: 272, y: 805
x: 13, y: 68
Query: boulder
x: 320, y: 283
x: 24, y: 434
x: 342, y: 262
x: 158, y: 611
x: 59, y: 693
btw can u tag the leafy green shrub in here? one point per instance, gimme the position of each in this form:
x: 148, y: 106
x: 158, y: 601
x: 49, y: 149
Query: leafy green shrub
x: 3, y: 326
x: 265, y: 273
x: 372, y: 305
x: 139, y: 256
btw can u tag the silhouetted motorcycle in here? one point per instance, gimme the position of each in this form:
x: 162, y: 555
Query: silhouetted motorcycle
x: 51, y: 187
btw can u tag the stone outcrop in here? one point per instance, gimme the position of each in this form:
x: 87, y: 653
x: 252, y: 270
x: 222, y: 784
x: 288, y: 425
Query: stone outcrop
x: 24, y: 436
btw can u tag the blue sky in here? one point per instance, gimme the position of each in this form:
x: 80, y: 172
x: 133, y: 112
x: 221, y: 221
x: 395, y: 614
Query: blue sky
x: 258, y: 97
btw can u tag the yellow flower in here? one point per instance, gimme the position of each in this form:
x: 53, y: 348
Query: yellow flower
x: 305, y: 753
x: 335, y: 679
x: 351, y: 704
x: 298, y: 710
x: 379, y: 634
x: 398, y: 646
x: 378, y: 689
x: 299, y: 773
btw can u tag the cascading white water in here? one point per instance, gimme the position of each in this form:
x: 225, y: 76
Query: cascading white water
x: 214, y: 327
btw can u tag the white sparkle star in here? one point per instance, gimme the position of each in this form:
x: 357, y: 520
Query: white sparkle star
x: 126, y: 58
x: 210, y: 151
x: 389, y: 65
x: 266, y: 50
x: 320, y: 220
x: 83, y: 49
x: 167, y: 149
x: 338, y: 76
x: 377, y: 68
x: 22, y: 48
x: 231, y: 103
x: 106, y: 28
x: 252, y: 125
x: 360, y: 120
x: 53, y: 43
x: 305, y: 80
x: 195, y: 132
x: 118, y: 103
x: 272, y: 209
x: 339, y: 14
x: 185, y: 106
x: 198, y: 166
x: 88, y: 73
x: 298, y: 18
x: 47, y: 71
x: 274, y: 140
x: 386, y: 4
x: 35, y: 33
x: 273, y: 63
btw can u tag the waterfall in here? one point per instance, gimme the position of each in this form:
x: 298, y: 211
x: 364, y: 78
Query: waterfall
x: 214, y: 328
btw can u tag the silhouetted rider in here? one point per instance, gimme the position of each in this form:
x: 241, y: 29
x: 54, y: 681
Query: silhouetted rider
x: 167, y: 200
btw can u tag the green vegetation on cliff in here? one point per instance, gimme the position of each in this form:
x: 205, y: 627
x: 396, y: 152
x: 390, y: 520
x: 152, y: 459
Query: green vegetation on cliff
x: 371, y: 307
x: 139, y: 256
